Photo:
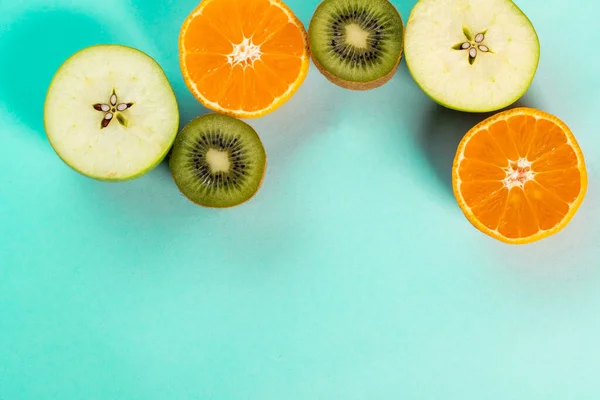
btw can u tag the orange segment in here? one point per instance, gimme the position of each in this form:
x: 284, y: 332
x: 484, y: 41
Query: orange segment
x: 517, y: 220
x: 491, y: 207
x: 475, y: 170
x: 504, y: 138
x: 271, y: 84
x: 212, y: 82
x: 205, y: 64
x: 549, y: 209
x: 257, y: 94
x: 484, y: 148
x: 202, y: 37
x: 287, y: 41
x: 264, y: 8
x: 565, y: 183
x: 243, y: 58
x: 222, y: 15
x: 285, y: 68
x: 519, y: 176
x: 475, y: 193
x: 553, y: 137
x: 520, y: 128
x: 232, y: 91
x: 270, y: 24
x: 561, y: 157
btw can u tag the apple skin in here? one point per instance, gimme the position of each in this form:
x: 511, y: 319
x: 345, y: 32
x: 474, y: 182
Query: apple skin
x: 499, y: 106
x: 166, y: 149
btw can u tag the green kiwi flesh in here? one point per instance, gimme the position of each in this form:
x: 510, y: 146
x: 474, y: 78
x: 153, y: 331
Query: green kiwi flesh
x: 218, y: 161
x: 356, y: 44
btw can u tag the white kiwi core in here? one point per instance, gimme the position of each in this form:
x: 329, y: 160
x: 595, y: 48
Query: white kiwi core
x: 356, y: 36
x: 218, y: 160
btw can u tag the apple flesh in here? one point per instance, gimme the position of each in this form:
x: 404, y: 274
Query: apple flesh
x: 471, y: 55
x: 110, y: 113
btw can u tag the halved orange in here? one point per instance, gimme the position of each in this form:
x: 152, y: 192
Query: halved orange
x: 519, y: 176
x: 243, y: 58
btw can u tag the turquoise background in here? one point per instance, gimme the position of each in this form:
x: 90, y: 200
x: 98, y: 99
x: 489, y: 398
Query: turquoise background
x: 351, y: 275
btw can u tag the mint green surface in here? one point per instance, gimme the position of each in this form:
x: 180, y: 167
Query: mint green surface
x: 351, y: 275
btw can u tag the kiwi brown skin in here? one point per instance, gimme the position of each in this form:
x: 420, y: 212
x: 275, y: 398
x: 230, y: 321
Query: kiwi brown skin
x: 357, y: 85
x: 361, y: 86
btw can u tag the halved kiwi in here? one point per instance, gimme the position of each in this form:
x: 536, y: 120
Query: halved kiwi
x: 218, y: 161
x: 356, y: 44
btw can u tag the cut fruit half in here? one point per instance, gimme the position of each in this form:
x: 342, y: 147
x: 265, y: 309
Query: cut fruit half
x: 218, y: 161
x: 110, y: 113
x: 519, y: 176
x: 471, y: 55
x: 243, y: 58
x: 356, y: 44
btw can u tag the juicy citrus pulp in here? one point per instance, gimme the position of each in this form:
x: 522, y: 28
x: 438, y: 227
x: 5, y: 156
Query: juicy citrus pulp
x: 519, y: 176
x: 109, y: 140
x: 243, y: 58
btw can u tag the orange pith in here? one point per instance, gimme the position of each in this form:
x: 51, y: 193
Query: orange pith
x: 243, y: 58
x: 519, y: 176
